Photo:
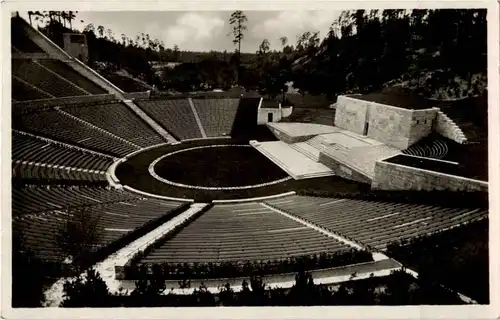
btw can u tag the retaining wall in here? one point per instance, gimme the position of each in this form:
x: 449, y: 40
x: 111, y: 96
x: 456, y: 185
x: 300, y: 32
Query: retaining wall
x: 343, y: 170
x: 391, y: 176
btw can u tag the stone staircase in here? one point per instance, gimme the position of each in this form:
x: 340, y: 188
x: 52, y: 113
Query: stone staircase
x: 449, y: 129
x: 307, y: 150
x: 297, y: 164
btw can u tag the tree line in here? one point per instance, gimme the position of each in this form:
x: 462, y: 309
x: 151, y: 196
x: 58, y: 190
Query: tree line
x: 439, y: 53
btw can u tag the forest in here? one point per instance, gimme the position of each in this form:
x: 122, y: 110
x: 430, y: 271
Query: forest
x: 438, y: 53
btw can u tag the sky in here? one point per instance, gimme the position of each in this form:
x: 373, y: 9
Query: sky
x: 208, y: 30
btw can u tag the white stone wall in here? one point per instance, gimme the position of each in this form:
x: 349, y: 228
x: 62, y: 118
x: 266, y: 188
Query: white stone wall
x: 263, y: 112
x: 390, y: 176
x: 390, y: 125
x: 448, y: 129
x: 421, y: 124
x: 396, y: 127
x: 351, y: 114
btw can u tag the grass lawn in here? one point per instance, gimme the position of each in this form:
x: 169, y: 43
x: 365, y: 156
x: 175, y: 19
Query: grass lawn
x: 227, y: 166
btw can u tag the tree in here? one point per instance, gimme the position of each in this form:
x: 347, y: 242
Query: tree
x: 237, y: 21
x: 88, y: 290
x: 283, y: 41
x: 78, y: 236
x: 100, y: 31
x: 203, y: 297
x: 147, y: 291
x: 176, y: 53
x: 71, y: 16
x: 263, y: 47
x: 226, y: 295
x: 30, y: 13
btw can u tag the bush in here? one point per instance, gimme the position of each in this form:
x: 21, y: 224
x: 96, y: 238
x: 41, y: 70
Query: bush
x: 87, y: 291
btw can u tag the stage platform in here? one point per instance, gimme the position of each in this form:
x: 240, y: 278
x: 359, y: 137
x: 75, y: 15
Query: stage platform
x: 345, y: 153
x: 293, y: 132
x: 293, y: 162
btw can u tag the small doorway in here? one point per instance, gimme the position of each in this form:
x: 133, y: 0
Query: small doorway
x: 270, y: 117
x: 365, y: 129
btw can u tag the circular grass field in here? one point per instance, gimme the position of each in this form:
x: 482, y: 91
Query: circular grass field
x: 218, y: 166
x: 228, y: 166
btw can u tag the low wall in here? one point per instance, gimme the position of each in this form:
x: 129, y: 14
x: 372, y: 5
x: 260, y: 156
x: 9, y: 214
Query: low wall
x: 137, y: 95
x: 23, y: 106
x: 391, y: 176
x: 343, y: 170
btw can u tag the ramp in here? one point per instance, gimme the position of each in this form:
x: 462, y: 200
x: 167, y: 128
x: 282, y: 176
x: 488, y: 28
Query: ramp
x: 292, y: 161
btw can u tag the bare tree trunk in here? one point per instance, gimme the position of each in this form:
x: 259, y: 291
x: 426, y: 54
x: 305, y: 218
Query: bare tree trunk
x: 239, y: 55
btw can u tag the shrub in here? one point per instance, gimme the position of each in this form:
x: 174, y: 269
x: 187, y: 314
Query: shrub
x: 233, y: 269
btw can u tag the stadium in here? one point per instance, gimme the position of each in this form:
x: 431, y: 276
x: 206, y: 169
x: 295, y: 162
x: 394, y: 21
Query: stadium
x: 214, y: 188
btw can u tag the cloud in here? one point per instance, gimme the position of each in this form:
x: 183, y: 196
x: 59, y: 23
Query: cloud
x: 193, y: 30
x: 292, y: 24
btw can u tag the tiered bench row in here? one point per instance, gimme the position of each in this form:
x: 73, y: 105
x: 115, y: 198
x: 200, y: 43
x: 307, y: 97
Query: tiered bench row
x: 60, y: 126
x: 49, y: 82
x: 29, y: 200
x: 21, y: 41
x: 242, y: 232
x: 216, y: 115
x: 22, y: 91
x: 114, y: 220
x: 437, y: 149
x: 375, y: 223
x: 118, y: 119
x: 73, y: 76
x: 175, y: 115
x: 36, y: 158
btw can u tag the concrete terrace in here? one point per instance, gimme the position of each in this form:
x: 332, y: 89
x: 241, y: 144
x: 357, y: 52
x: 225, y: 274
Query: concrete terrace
x: 323, y: 146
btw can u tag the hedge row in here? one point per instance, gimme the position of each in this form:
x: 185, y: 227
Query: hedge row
x: 232, y: 269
